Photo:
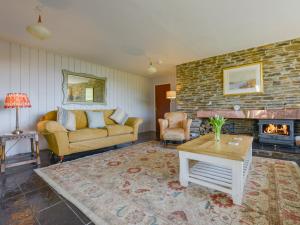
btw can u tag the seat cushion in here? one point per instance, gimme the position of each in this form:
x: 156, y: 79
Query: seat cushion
x: 174, y: 134
x: 86, y: 134
x: 118, y: 129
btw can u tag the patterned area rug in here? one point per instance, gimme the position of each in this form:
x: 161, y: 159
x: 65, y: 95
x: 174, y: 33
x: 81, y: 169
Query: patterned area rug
x: 139, y: 185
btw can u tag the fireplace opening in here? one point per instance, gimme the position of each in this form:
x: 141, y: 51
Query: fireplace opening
x: 276, y: 129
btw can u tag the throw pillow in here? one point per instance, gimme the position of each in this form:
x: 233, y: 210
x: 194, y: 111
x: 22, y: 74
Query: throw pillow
x: 119, y: 116
x: 66, y: 118
x: 95, y: 119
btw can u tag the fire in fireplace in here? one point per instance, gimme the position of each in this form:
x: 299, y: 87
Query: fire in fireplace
x: 276, y: 131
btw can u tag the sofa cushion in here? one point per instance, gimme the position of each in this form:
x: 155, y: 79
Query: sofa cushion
x: 96, y: 119
x: 66, y: 118
x: 81, y: 119
x: 107, y: 114
x: 118, y: 129
x: 174, y: 134
x: 119, y: 116
x: 86, y: 134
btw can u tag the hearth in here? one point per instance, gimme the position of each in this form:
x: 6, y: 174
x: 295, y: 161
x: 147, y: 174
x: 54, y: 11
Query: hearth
x: 276, y: 131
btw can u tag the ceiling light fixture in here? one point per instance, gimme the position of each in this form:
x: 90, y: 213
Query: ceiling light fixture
x: 151, y: 69
x: 38, y: 30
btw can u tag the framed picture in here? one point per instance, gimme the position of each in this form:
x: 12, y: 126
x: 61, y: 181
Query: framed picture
x: 243, y: 79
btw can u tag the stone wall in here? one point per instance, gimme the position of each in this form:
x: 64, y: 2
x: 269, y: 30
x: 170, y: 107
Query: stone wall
x: 199, y: 82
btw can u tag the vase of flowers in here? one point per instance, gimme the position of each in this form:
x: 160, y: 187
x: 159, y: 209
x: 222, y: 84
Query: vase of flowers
x: 217, y: 123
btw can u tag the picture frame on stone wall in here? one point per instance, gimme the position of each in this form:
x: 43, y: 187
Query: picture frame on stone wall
x: 244, y: 79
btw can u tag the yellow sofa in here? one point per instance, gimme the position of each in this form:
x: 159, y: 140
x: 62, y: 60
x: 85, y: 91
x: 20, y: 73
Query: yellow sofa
x: 63, y: 142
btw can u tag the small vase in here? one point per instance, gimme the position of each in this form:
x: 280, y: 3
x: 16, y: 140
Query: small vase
x: 217, y: 135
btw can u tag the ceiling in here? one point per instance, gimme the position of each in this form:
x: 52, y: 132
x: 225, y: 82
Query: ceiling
x: 123, y: 34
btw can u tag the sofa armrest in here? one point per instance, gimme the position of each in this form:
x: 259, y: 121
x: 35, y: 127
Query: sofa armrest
x: 134, y: 122
x: 49, y: 126
x: 163, y: 124
x: 186, y: 126
x: 56, y: 136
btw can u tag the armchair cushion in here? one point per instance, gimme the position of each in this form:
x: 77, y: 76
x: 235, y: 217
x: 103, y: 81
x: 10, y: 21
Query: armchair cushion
x: 175, y: 119
x: 174, y: 134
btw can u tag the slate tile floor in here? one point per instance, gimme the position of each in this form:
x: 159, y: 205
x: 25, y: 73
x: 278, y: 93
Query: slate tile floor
x: 26, y: 199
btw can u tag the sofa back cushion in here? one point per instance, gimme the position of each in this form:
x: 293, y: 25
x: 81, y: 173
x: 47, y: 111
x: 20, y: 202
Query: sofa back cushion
x: 95, y: 119
x: 107, y: 114
x: 66, y: 118
x: 81, y: 117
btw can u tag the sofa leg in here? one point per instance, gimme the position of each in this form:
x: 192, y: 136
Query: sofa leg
x: 133, y: 142
x: 61, y: 158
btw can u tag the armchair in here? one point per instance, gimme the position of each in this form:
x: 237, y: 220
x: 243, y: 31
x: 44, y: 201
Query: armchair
x: 175, y: 127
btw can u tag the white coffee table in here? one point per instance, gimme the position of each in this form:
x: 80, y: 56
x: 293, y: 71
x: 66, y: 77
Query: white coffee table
x: 220, y: 165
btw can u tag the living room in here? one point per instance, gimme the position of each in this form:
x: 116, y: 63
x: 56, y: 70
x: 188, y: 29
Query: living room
x: 149, y: 112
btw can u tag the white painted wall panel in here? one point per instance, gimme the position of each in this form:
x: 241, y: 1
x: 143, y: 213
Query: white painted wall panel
x: 37, y: 72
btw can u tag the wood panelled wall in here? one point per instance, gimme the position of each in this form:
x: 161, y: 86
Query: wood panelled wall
x: 38, y: 73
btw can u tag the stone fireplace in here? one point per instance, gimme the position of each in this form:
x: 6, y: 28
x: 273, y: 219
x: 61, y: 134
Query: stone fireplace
x: 276, y: 131
x: 273, y: 126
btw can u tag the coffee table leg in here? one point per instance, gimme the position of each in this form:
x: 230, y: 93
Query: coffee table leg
x: 184, y: 170
x: 237, y: 183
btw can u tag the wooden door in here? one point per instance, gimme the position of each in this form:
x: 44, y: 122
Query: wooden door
x: 162, y: 104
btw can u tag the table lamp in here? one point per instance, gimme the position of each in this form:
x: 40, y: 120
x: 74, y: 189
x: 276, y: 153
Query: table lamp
x: 171, y: 95
x: 17, y: 100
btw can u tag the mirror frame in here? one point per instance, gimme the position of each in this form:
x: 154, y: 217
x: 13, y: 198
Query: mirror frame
x: 66, y: 73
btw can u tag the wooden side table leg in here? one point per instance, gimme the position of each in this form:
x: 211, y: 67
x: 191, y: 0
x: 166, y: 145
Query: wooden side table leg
x: 32, y: 147
x: 3, y: 157
x: 37, y: 147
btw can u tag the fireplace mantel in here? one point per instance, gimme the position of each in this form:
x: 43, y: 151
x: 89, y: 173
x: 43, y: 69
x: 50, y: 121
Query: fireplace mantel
x: 293, y: 114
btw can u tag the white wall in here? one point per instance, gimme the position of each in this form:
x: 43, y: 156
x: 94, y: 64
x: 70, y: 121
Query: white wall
x: 38, y: 73
x: 158, y: 80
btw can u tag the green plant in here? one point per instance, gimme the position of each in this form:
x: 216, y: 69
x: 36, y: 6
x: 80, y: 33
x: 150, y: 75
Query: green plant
x: 217, y: 123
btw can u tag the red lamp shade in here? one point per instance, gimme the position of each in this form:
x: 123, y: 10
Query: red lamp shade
x: 17, y: 100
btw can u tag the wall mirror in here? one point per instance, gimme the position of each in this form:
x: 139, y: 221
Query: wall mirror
x: 81, y: 88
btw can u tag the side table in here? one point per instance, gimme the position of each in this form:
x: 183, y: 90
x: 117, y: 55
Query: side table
x: 35, y: 150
